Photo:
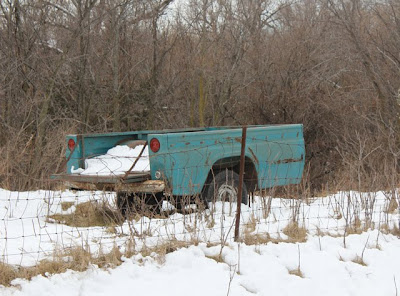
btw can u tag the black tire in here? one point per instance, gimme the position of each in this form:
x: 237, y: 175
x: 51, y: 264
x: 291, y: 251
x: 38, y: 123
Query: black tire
x: 142, y: 204
x: 181, y: 202
x: 124, y: 203
x: 224, y: 187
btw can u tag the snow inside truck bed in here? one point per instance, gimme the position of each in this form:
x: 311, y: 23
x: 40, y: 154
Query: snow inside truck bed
x: 116, y: 162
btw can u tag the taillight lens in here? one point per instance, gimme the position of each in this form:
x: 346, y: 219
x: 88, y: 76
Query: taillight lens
x: 154, y: 145
x: 71, y: 144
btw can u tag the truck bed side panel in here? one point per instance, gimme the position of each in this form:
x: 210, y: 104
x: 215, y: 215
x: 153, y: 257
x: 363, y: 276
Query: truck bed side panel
x: 276, y: 151
x: 90, y: 145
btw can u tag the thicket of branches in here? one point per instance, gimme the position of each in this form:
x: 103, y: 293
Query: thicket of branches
x: 85, y: 66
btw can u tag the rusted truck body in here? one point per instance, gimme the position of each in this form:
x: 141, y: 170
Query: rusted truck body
x: 185, y: 162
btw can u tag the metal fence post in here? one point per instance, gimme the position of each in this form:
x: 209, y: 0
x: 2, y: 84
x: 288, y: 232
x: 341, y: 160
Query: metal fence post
x: 240, y: 189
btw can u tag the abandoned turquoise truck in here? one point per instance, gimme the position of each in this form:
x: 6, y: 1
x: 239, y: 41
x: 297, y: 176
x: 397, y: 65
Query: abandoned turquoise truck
x: 197, y: 162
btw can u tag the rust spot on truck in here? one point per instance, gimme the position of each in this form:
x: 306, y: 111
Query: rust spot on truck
x: 289, y: 160
x: 254, y: 155
x: 187, y: 143
x: 238, y: 139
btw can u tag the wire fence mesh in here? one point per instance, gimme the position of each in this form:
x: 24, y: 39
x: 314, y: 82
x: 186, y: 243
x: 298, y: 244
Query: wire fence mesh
x: 36, y: 225
x: 197, y: 204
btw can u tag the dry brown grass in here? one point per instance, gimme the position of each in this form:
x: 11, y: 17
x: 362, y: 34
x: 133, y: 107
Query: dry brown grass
x: 66, y: 205
x: 163, y: 249
x: 251, y: 225
x: 295, y: 232
x: 77, y: 259
x: 256, y: 238
x: 359, y: 260
x: 217, y: 258
x: 7, y: 274
x: 392, y: 206
x: 110, y: 259
x: 264, y: 238
x: 296, y: 272
x: 355, y: 227
x: 386, y: 229
x: 89, y: 214
x: 395, y: 231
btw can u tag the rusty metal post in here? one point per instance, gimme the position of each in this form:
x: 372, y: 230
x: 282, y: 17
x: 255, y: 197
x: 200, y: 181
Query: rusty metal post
x: 135, y: 162
x: 240, y: 189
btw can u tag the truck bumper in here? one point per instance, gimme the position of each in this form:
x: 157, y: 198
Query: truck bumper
x: 110, y: 183
x: 149, y: 186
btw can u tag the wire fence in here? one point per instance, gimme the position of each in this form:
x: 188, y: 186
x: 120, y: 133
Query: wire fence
x: 37, y: 225
x: 197, y: 205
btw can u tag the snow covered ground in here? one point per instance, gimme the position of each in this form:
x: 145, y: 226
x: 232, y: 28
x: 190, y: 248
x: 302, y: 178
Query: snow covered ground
x: 325, y: 259
x: 326, y: 266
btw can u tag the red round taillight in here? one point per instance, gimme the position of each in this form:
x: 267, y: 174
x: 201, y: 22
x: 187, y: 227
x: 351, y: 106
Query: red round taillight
x: 71, y: 144
x: 154, y: 145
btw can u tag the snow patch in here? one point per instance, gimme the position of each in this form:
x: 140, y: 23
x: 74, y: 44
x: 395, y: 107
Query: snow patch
x: 117, y: 161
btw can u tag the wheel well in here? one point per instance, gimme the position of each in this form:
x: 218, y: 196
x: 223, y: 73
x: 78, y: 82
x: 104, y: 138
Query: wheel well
x: 233, y: 163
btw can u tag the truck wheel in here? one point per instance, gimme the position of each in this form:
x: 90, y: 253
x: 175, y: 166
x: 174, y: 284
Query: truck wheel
x: 144, y: 204
x: 148, y: 204
x: 224, y: 187
x: 124, y: 203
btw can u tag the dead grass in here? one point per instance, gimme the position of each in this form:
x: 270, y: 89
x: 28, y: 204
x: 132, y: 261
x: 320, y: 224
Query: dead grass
x: 89, y: 214
x: 159, y: 251
x: 7, y: 274
x: 392, y: 206
x: 264, y: 238
x: 295, y: 232
x: 355, y: 227
x: 217, y: 258
x: 251, y: 224
x: 384, y: 228
x: 359, y: 260
x: 111, y: 259
x: 66, y: 205
x: 395, y: 231
x: 77, y: 259
x: 296, y: 272
x: 320, y: 232
x: 256, y: 238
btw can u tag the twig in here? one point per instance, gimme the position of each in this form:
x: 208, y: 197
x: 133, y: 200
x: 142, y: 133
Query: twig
x: 231, y: 276
x: 298, y: 248
x: 365, y: 246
